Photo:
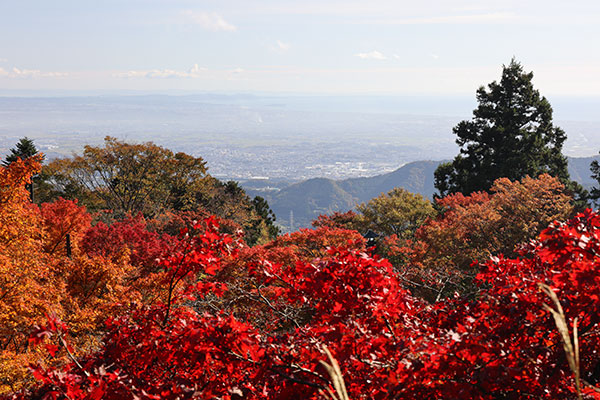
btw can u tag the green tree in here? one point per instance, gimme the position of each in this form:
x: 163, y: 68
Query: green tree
x: 24, y: 149
x: 229, y: 200
x: 510, y: 136
x: 127, y: 178
x: 595, y: 192
x: 399, y: 212
x: 268, y: 216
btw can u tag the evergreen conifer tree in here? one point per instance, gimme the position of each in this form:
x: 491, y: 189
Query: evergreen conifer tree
x: 510, y: 136
x: 595, y: 192
x: 23, y: 150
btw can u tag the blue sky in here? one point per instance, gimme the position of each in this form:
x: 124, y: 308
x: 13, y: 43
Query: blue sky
x: 402, y: 47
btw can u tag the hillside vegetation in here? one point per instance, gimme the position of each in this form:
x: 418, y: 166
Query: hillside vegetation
x: 135, y: 310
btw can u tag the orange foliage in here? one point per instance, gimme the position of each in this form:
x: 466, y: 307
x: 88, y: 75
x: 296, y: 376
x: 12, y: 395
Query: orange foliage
x: 96, y: 289
x: 38, y: 279
x: 27, y: 289
x: 61, y: 218
x: 475, y: 227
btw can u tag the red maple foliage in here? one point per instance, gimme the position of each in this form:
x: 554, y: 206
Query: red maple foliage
x: 131, y: 235
x: 503, y: 344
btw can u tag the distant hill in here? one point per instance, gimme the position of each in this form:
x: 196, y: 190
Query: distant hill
x: 416, y: 177
x: 579, y: 170
x: 311, y: 198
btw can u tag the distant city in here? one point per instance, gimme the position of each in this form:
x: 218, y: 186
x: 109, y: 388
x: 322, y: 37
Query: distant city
x: 270, y: 138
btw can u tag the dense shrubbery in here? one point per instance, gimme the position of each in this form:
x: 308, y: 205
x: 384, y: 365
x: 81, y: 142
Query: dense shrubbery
x: 137, y: 312
x: 439, y: 259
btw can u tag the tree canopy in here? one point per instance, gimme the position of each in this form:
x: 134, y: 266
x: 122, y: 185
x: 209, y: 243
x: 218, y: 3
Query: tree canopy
x: 483, y: 225
x: 122, y: 179
x: 128, y: 178
x: 266, y: 335
x: 510, y: 136
x: 398, y: 212
x: 24, y: 149
x: 173, y: 307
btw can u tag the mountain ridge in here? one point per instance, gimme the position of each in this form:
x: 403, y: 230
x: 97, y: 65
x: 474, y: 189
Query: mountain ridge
x: 308, y: 199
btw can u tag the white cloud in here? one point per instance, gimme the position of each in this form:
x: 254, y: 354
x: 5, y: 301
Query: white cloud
x: 283, y: 46
x: 434, y: 56
x: 166, y: 73
x: 17, y: 73
x: 373, y: 55
x: 279, y: 47
x: 130, y: 74
x: 237, y: 71
x: 194, y: 72
x: 208, y: 20
x: 3, y: 60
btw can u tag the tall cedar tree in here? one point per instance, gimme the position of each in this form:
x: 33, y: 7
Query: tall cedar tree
x: 510, y: 136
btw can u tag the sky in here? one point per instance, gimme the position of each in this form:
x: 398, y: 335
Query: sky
x: 443, y: 47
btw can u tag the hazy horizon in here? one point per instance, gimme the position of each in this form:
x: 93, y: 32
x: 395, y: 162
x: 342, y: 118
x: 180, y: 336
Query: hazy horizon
x: 575, y: 108
x: 291, y: 138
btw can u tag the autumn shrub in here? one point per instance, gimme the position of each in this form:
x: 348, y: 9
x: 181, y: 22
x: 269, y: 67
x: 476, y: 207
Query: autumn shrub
x: 228, y: 321
x: 443, y: 257
x: 341, y: 220
x: 389, y: 345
